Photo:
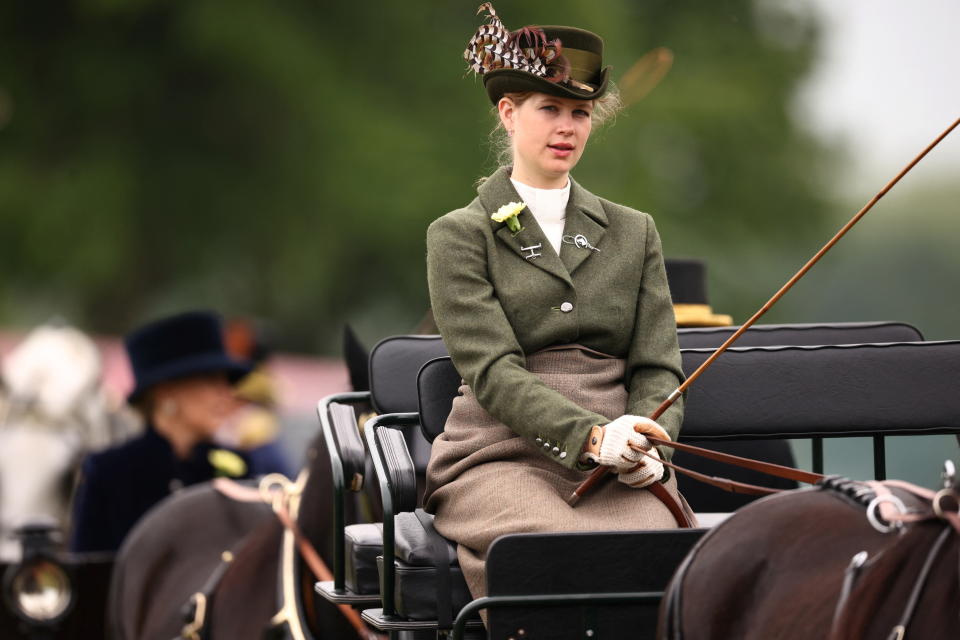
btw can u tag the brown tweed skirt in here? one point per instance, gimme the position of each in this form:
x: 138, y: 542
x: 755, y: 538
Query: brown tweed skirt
x: 484, y: 481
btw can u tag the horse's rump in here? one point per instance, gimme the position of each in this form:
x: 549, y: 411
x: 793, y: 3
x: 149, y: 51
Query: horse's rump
x: 772, y: 570
x: 777, y: 567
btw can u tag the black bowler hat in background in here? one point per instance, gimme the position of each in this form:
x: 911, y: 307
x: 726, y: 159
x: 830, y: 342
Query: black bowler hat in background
x: 179, y: 346
x: 687, y: 278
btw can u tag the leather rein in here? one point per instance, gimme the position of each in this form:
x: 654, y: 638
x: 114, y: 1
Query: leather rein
x: 733, y: 486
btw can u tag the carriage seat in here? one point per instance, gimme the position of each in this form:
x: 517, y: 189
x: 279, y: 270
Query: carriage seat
x: 419, y: 584
x: 363, y: 543
x: 417, y: 565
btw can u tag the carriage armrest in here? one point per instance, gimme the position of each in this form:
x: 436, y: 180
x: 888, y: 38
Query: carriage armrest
x: 396, y: 478
x: 348, y: 443
x: 401, y: 473
x: 332, y: 422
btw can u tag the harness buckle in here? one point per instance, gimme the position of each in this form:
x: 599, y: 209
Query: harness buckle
x: 949, y: 474
x: 938, y: 502
x: 191, y: 630
x: 873, y: 513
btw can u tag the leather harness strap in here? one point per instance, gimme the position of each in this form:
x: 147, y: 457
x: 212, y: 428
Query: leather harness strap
x: 197, y: 626
x: 274, y: 491
x: 890, y: 509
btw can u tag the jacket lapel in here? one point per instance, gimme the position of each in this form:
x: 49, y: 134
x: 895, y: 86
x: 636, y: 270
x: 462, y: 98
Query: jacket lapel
x: 498, y: 191
x: 586, y: 217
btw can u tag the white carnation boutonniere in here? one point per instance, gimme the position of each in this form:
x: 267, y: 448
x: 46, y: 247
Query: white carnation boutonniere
x: 508, y: 213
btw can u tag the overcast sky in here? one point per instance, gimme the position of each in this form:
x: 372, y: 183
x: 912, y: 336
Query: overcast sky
x: 888, y: 83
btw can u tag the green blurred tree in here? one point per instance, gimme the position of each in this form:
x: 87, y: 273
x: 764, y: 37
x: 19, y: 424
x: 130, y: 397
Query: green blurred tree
x: 284, y: 159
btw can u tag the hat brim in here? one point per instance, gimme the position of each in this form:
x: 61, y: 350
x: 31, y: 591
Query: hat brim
x: 699, y: 315
x: 501, y: 81
x: 195, y: 365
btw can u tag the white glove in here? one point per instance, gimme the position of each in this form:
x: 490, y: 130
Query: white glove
x: 615, y: 450
x: 650, y: 472
x: 621, y: 440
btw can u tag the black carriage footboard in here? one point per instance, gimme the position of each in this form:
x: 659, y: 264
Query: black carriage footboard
x: 579, y: 585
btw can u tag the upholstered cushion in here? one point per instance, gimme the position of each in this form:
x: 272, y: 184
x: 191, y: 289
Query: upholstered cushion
x: 416, y: 577
x: 363, y: 543
x: 416, y: 590
x: 762, y: 335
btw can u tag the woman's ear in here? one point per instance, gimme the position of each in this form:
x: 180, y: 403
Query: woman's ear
x: 506, y: 108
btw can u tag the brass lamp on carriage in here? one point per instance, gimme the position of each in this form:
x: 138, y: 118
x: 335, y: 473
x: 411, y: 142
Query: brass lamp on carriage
x: 40, y: 588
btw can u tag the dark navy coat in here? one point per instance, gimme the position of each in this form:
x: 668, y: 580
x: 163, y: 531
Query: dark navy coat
x: 119, y: 485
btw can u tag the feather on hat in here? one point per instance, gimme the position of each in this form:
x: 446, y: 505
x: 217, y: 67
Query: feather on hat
x: 562, y: 61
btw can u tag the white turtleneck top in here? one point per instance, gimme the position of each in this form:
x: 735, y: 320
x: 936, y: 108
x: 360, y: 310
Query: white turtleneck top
x: 548, y: 206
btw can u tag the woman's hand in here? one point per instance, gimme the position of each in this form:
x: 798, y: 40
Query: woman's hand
x: 619, y: 444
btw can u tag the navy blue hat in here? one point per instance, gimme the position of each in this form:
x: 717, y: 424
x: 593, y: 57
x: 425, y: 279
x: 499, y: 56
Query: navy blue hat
x: 179, y: 346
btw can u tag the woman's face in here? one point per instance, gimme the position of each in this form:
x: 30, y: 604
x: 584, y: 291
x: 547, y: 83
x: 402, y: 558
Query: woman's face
x: 200, y: 403
x: 549, y: 134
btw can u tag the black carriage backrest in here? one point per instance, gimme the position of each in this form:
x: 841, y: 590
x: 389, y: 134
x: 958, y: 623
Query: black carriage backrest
x: 764, y: 335
x: 394, y: 363
x: 438, y: 380
x: 348, y: 444
x: 437, y: 385
x: 841, y: 390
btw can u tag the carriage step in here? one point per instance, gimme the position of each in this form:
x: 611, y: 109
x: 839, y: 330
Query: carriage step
x: 345, y: 596
x: 376, y: 619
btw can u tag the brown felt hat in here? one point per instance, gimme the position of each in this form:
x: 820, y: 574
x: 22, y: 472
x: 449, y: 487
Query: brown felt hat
x: 582, y: 49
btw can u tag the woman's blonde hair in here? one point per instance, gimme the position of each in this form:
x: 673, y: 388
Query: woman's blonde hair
x: 605, y: 110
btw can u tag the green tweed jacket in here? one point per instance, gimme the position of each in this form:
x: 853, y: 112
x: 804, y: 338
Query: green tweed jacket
x: 494, y: 302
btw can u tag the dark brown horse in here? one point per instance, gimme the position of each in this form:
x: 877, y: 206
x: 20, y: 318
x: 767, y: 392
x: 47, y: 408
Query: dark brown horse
x: 782, y: 567
x: 177, y: 550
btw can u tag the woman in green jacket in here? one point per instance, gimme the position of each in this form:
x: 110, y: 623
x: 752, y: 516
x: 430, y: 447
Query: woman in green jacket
x: 554, y: 306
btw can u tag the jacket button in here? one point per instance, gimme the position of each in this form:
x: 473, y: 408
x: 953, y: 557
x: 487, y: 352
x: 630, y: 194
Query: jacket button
x: 566, y: 307
x: 546, y: 445
x: 539, y: 440
x: 556, y: 451
x: 563, y: 455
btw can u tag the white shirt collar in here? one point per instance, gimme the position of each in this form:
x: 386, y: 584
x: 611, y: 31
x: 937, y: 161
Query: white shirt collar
x: 546, y: 205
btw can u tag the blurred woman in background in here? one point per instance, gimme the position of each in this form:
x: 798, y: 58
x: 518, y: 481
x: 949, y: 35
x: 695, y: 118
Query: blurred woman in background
x: 184, y: 389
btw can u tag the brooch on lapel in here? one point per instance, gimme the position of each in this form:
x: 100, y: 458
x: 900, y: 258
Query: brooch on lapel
x: 580, y: 242
x: 533, y: 249
x: 508, y: 213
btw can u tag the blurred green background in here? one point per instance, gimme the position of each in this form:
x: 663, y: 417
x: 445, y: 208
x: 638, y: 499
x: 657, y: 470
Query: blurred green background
x: 283, y: 159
